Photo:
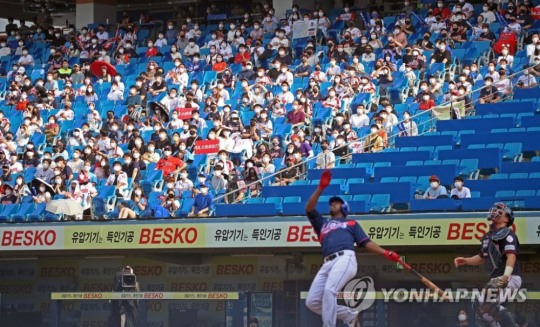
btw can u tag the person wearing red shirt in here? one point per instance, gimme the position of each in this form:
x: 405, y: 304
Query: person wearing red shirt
x: 170, y: 164
x: 243, y: 56
x: 152, y: 51
x: 427, y: 102
x: 442, y: 10
x: 22, y: 103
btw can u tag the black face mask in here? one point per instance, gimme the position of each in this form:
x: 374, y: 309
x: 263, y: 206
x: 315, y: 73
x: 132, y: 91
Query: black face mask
x: 192, y: 132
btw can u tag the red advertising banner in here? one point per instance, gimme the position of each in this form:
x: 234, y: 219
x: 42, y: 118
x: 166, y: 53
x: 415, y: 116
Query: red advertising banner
x: 535, y: 12
x: 184, y: 113
x: 207, y: 147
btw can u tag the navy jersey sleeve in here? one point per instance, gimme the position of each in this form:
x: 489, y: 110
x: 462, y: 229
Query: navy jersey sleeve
x: 510, y: 244
x: 360, y: 237
x: 316, y: 220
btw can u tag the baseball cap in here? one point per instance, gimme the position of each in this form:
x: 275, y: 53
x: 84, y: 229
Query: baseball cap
x: 434, y: 178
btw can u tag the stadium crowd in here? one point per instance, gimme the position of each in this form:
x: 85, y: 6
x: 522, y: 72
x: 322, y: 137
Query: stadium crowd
x: 92, y: 107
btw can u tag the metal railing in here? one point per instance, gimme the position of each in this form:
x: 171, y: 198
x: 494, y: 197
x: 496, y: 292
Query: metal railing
x: 417, y: 116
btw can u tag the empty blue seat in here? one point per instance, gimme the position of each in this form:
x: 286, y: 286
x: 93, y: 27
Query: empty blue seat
x: 243, y: 210
x: 379, y: 202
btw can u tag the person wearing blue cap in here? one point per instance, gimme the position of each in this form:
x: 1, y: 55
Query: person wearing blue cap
x: 337, y: 236
x: 203, y: 202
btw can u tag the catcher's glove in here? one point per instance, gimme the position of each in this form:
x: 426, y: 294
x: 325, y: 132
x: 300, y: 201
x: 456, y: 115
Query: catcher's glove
x: 497, y: 282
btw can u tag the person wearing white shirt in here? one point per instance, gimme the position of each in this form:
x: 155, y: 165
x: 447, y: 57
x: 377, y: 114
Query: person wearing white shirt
x: 514, y: 26
x: 459, y: 191
x: 333, y: 69
x: 285, y: 76
x: 359, y: 119
x: 4, y: 49
x: 115, y: 94
x: 102, y: 34
x: 195, y: 32
x: 171, y: 101
x: 225, y: 50
x: 437, y: 26
x: 223, y: 93
x: 16, y: 166
x: 196, y: 90
x: 280, y: 40
x: 114, y: 150
x: 467, y: 9
x: 285, y: 96
x: 505, y: 55
x: 527, y: 80
x: 161, y: 41
x: 119, y: 179
x: 532, y: 46
x: 492, y: 73
x: 231, y: 33
x: 226, y: 142
x: 353, y: 30
x: 326, y: 158
x: 26, y: 59
x: 214, y: 41
x: 121, y: 85
x: 65, y: 113
x: 488, y: 15
x: 175, y: 122
x: 191, y: 49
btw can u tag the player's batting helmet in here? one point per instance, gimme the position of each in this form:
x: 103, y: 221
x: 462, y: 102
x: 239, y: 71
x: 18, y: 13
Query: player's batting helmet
x: 344, y: 204
x: 500, y: 208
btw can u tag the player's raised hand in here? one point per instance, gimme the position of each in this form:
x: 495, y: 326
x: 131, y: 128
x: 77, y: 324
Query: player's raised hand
x: 326, y: 177
x: 459, y: 261
x: 392, y: 256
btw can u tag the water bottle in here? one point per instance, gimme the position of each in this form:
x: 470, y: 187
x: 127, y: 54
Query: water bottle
x: 107, y: 21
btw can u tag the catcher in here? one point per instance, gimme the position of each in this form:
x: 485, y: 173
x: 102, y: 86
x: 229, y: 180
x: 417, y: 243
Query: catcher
x: 499, y: 251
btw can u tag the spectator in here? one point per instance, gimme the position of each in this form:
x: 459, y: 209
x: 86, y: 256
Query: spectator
x: 459, y: 191
x: 170, y: 202
x: 435, y: 190
x: 527, y: 80
x: 489, y: 93
x: 170, y: 164
x: 326, y: 159
x: 441, y: 54
x: 203, y: 202
x: 288, y: 174
x: 296, y: 117
x: 183, y: 183
x: 119, y: 179
x: 407, y: 127
x: 374, y: 142
x: 42, y: 195
x: 20, y: 190
x: 218, y: 182
x: 135, y: 207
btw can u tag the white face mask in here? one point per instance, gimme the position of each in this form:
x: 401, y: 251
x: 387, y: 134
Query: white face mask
x: 458, y: 184
x: 434, y: 184
x: 462, y: 317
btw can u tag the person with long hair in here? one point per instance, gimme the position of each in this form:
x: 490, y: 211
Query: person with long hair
x: 135, y: 207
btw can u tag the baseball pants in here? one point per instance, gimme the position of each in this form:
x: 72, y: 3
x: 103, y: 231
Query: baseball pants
x: 331, y: 278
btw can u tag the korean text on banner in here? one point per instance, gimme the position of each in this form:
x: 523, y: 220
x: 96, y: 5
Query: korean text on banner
x: 304, y: 28
x: 184, y: 113
x: 135, y: 236
x: 207, y: 147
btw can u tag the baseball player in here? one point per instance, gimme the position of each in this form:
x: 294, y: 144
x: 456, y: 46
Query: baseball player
x: 337, y: 236
x: 499, y: 251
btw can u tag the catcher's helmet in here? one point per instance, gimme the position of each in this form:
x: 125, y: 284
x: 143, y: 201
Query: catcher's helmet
x: 500, y: 208
x: 344, y: 204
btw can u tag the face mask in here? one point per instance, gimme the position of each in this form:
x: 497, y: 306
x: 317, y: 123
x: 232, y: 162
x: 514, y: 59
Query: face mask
x: 167, y: 153
x: 42, y: 188
x: 462, y: 317
x: 434, y: 184
x: 458, y: 185
x: 117, y: 168
x: 183, y: 175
